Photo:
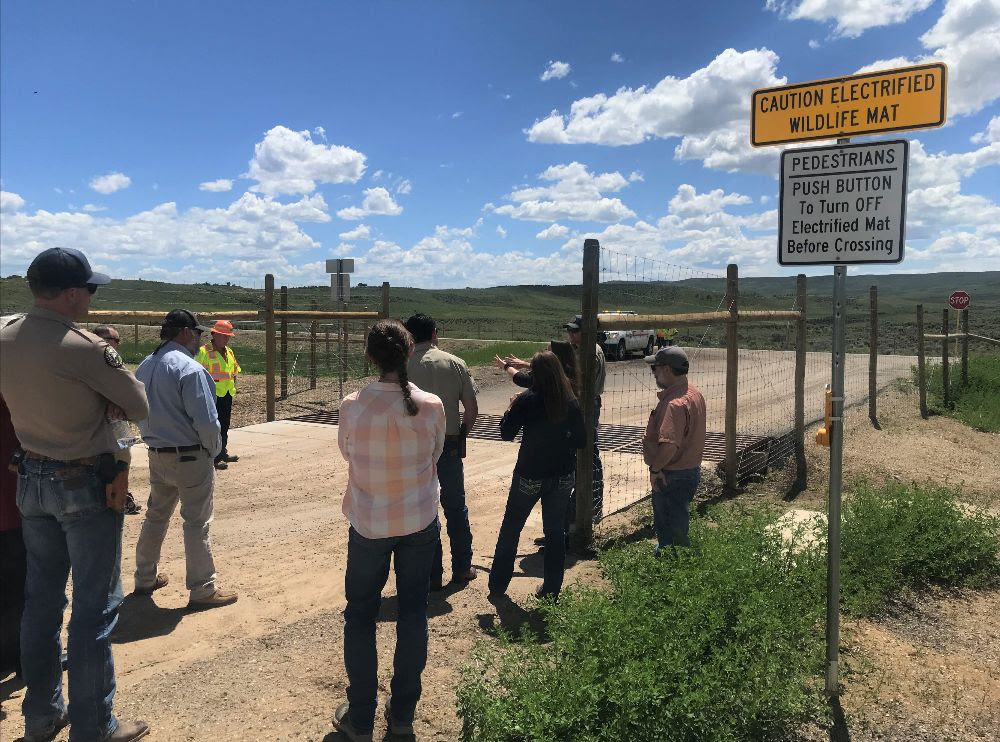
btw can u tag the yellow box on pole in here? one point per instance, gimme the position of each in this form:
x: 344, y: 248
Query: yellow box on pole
x: 869, y: 103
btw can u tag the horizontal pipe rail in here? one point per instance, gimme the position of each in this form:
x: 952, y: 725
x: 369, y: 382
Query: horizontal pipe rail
x: 647, y: 321
x: 959, y: 336
x: 133, y: 316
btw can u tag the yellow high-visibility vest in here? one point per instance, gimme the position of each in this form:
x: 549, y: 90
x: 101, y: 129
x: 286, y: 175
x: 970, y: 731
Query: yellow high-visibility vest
x: 223, y: 369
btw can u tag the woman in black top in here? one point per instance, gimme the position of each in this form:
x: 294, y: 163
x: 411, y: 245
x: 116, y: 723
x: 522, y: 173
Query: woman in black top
x: 553, y: 430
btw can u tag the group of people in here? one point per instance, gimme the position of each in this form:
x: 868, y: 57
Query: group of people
x: 404, y: 441
x: 403, y: 436
x: 67, y: 403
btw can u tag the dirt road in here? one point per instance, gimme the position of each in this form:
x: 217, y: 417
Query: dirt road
x: 270, y: 667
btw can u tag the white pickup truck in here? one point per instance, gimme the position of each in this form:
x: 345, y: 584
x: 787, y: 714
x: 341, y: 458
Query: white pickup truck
x: 619, y: 343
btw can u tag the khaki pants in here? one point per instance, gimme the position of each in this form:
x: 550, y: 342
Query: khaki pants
x: 190, y: 478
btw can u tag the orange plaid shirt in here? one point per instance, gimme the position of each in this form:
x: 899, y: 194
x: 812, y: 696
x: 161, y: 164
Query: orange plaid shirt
x: 392, y: 484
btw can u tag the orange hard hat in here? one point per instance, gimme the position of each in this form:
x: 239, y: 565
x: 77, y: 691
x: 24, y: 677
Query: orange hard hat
x: 223, y: 327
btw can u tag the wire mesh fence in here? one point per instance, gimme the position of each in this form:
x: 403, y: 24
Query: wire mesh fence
x: 634, y: 284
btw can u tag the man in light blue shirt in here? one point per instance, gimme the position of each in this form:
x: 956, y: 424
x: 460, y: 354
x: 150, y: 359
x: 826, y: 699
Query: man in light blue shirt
x: 183, y: 435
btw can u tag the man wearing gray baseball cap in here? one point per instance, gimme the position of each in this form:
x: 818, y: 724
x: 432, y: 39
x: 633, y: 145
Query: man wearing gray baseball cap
x: 673, y: 445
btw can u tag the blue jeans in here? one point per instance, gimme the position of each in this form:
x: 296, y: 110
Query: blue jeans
x: 451, y: 477
x: 367, y: 572
x: 670, y: 506
x: 67, y: 525
x: 554, y: 493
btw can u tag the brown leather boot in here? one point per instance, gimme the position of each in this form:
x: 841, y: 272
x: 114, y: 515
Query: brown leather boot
x: 128, y: 731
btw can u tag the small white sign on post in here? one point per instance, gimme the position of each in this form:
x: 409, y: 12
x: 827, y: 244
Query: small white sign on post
x: 340, y: 265
x: 340, y: 280
x: 844, y: 204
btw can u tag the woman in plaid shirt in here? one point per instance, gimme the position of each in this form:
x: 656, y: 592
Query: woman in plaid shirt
x: 391, y: 433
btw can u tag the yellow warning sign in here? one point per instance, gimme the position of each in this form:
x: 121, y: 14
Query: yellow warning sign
x: 875, y: 102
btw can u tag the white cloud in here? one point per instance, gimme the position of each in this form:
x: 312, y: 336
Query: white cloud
x: 376, y: 201
x: 320, y: 132
x: 404, y: 187
x: 992, y: 133
x: 553, y: 232
x: 377, y: 175
x: 555, y: 71
x: 251, y: 228
x: 617, y: 58
x: 93, y: 208
x: 814, y: 44
x: 216, y: 186
x: 728, y: 148
x: 360, y: 232
x: 635, y: 177
x: 853, y: 17
x: 688, y: 202
x: 448, y: 258
x: 709, y: 98
x: 287, y: 161
x: 574, y: 194
x: 928, y: 170
x: 967, y: 38
x: 10, y: 202
x: 110, y: 183
x: 457, y: 114
x: 501, y: 232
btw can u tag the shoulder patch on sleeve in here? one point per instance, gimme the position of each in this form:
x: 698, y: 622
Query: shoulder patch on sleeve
x: 112, y: 358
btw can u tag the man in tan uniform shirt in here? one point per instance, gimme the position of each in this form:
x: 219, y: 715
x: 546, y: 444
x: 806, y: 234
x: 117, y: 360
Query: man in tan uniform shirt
x: 59, y: 382
x: 447, y: 377
x: 673, y: 446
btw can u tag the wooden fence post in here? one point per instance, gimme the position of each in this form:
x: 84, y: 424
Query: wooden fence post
x: 284, y: 345
x: 965, y: 347
x: 588, y: 394
x: 945, y: 371
x: 384, y: 309
x: 269, y: 343
x: 800, y: 384
x: 343, y: 353
x: 873, y: 357
x: 313, y: 330
x: 732, y: 371
x: 921, y: 362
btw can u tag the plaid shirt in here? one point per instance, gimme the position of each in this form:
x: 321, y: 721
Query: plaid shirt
x: 392, y: 484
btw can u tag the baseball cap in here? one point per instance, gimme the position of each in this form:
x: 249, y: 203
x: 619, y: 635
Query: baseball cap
x: 576, y: 323
x: 183, y: 318
x: 63, y: 268
x: 672, y: 356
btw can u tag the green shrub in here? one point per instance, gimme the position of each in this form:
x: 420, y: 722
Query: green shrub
x: 907, y: 537
x: 976, y: 404
x: 717, y: 643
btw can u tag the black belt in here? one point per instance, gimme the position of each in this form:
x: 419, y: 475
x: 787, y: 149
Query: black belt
x: 89, y: 461
x: 176, y: 449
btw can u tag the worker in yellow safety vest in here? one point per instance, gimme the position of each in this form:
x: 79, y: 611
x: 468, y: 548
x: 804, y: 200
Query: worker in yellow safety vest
x: 221, y: 362
x: 661, y: 338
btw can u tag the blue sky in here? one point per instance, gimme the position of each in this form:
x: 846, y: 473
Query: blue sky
x: 457, y: 143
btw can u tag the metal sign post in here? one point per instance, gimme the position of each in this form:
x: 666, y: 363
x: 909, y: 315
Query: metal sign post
x: 836, y: 482
x: 844, y: 205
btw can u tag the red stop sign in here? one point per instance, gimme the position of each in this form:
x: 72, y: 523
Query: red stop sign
x: 959, y: 300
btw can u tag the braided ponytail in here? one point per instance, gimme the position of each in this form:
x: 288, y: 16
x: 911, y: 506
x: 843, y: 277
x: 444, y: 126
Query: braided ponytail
x: 411, y: 406
x: 389, y: 346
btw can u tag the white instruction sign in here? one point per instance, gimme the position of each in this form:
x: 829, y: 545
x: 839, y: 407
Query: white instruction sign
x: 844, y: 204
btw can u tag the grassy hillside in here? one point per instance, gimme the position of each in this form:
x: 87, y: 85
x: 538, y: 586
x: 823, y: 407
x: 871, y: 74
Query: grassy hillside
x: 537, y: 312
